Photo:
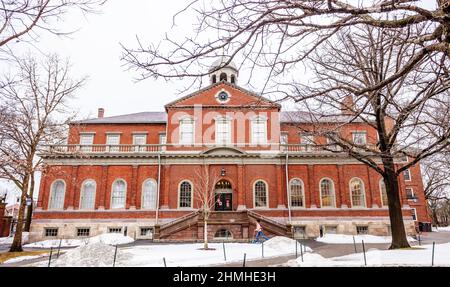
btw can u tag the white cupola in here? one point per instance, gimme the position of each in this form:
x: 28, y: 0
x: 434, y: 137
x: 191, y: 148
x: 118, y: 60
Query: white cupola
x: 228, y: 73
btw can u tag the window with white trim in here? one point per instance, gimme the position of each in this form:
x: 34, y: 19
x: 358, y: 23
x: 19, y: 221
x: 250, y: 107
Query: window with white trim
x: 357, y: 193
x: 51, y: 232
x: 407, y: 175
x: 359, y: 138
x: 409, y: 193
x: 86, y: 142
x: 327, y: 194
x: 260, y: 194
x: 57, y: 195
x: 149, y: 190
x: 414, y: 214
x: 83, y: 231
x: 87, y: 195
x: 119, y: 192
x: 113, y: 141
x: 146, y: 232
x: 162, y: 141
x: 185, y: 194
x: 223, y: 131
x: 306, y: 141
x: 297, y: 193
x: 139, y: 141
x: 383, y: 193
x: 259, y: 130
x: 284, y: 138
x: 362, y: 230
x: 187, y: 131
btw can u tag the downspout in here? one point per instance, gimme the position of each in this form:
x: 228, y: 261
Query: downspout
x: 287, y: 188
x: 159, y: 189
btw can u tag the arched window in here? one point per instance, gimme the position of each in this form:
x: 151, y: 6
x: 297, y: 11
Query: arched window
x: 185, y: 194
x: 87, y: 196
x: 57, y: 194
x: 233, y: 79
x: 119, y: 194
x: 327, y: 194
x: 223, y: 77
x: 260, y: 194
x: 384, y: 198
x: 214, y: 79
x: 297, y: 192
x: 149, y: 191
x: 357, y: 193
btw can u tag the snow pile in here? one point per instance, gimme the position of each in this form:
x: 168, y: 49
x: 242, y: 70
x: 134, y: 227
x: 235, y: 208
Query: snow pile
x: 415, y: 256
x: 106, y: 238
x: 23, y: 258
x: 282, y: 243
x: 447, y: 228
x: 9, y: 240
x: 91, y: 255
x: 347, y: 239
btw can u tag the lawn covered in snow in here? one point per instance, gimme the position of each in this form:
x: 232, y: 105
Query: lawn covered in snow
x: 100, y: 254
x: 348, y: 239
x: 415, y: 256
x: 9, y: 240
x: 106, y: 238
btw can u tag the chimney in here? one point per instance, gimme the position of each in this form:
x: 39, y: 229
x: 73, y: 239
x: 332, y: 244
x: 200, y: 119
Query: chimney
x: 347, y: 106
x: 101, y: 112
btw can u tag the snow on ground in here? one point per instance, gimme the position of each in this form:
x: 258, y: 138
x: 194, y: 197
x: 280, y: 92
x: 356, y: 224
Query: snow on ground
x: 23, y: 258
x: 416, y: 256
x: 98, y: 254
x: 9, y: 240
x: 347, y: 239
x: 438, y: 229
x: 106, y: 238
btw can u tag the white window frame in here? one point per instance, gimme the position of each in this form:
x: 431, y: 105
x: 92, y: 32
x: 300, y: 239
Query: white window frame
x: 254, y: 194
x: 258, y: 120
x: 227, y: 140
x: 284, y: 135
x: 51, y: 200
x: 290, y: 192
x: 153, y: 204
x: 359, y: 133
x: 409, y: 175
x: 363, y: 188
x: 112, y: 194
x: 139, y: 147
x: 184, y: 121
x: 412, y: 193
x: 380, y: 183
x: 113, y: 147
x: 333, y: 192
x: 306, y: 141
x: 179, y: 193
x: 162, y: 138
x: 86, y: 141
x: 82, y: 191
x: 415, y: 214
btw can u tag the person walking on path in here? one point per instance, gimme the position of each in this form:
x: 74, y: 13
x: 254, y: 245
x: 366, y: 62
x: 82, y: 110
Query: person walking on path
x: 259, y: 232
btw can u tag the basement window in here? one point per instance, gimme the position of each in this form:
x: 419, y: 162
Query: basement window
x: 223, y: 234
x: 146, y: 232
x: 331, y: 229
x: 83, y: 232
x: 51, y: 232
x: 299, y: 232
x: 362, y: 230
x: 115, y: 230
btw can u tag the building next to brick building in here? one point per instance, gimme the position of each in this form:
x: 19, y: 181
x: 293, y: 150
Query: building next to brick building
x: 136, y: 173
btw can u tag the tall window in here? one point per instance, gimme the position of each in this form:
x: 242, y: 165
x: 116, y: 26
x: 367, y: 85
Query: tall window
x: 407, y: 175
x: 119, y: 193
x: 359, y: 138
x: 259, y: 130
x: 327, y: 194
x: 87, y: 197
x: 162, y: 141
x: 185, y: 194
x: 384, y: 198
x: 58, y: 191
x: 260, y: 194
x: 223, y: 131
x: 139, y: 140
x: 306, y: 142
x: 297, y: 194
x: 86, y: 142
x: 149, y: 191
x: 357, y: 193
x: 409, y: 193
x: 187, y: 131
x: 113, y: 141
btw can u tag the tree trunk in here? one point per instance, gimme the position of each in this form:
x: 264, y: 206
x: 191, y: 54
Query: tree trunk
x: 16, y: 246
x: 399, y: 239
x: 205, y: 234
x: 30, y: 207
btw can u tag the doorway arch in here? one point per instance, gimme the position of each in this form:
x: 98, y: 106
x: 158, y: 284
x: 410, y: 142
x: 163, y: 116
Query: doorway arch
x: 223, y: 194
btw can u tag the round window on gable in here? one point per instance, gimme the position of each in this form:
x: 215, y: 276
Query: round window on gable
x: 223, y: 97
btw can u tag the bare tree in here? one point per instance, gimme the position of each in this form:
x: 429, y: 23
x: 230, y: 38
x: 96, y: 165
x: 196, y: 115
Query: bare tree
x: 23, y: 20
x: 400, y: 90
x: 204, y: 183
x: 35, y: 113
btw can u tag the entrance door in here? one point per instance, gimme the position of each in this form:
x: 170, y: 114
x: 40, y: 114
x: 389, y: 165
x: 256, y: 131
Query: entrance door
x: 223, y: 196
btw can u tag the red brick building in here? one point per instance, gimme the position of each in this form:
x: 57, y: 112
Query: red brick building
x: 136, y: 173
